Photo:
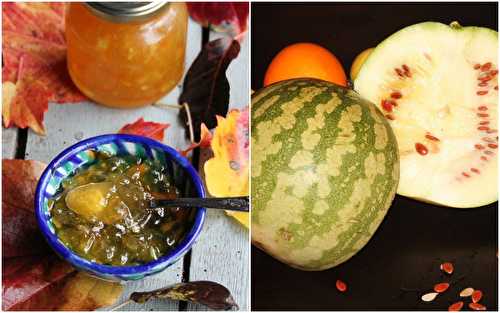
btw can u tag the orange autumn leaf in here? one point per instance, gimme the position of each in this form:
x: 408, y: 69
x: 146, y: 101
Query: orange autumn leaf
x: 147, y: 129
x: 227, y: 174
x: 205, y: 140
x: 34, y: 63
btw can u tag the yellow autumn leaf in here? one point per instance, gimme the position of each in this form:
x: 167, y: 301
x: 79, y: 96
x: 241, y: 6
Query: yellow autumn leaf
x: 226, y: 174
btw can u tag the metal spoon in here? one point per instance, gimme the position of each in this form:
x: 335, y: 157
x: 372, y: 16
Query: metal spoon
x: 230, y: 203
x: 90, y: 200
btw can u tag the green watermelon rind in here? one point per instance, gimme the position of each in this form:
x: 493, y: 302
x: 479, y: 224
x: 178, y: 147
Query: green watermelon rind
x: 298, y: 236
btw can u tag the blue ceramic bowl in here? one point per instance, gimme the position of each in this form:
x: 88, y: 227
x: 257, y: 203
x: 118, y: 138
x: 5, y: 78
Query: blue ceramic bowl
x: 185, y: 177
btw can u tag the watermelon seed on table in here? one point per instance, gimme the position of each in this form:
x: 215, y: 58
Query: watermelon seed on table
x: 477, y: 306
x: 476, y: 296
x: 441, y: 287
x: 341, y: 286
x: 467, y: 292
x: 447, y: 267
x: 428, y: 297
x: 457, y: 306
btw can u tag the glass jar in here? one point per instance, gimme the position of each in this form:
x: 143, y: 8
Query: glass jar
x: 126, y: 54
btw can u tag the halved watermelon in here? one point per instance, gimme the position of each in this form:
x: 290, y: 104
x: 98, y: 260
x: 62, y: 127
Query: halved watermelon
x: 438, y: 87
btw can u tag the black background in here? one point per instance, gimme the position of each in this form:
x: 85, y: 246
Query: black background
x: 401, y: 262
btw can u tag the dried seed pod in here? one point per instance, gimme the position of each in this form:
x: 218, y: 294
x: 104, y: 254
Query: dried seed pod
x: 441, y: 287
x: 476, y: 296
x: 341, y: 286
x: 447, y: 267
x: 457, y: 306
x: 428, y: 297
x: 477, y: 306
x: 467, y: 292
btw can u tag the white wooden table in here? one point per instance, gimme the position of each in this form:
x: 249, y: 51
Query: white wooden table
x: 221, y: 253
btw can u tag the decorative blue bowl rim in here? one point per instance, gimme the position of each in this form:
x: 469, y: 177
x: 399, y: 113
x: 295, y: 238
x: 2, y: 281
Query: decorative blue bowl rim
x: 107, y: 270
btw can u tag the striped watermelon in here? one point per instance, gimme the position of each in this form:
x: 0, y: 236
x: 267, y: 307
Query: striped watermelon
x: 325, y: 169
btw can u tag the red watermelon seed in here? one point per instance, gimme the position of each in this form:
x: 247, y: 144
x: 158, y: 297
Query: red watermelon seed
x: 486, y: 66
x: 386, y: 105
x: 476, y: 296
x: 341, y: 286
x: 421, y: 149
x: 431, y: 137
x: 475, y: 170
x: 447, y: 267
x: 457, y: 306
x: 396, y: 95
x: 477, y: 306
x: 441, y: 287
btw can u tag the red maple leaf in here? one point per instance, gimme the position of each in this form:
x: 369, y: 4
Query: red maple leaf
x: 147, y: 129
x: 228, y: 17
x: 34, y: 278
x: 34, y: 63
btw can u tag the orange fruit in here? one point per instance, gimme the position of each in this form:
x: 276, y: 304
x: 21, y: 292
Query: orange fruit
x: 305, y: 60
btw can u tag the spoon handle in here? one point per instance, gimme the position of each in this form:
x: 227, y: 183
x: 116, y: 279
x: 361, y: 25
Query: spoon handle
x: 231, y: 203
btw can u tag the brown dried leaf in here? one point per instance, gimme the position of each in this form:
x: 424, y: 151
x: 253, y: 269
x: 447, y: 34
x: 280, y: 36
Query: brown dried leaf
x: 205, y: 87
x: 211, y: 294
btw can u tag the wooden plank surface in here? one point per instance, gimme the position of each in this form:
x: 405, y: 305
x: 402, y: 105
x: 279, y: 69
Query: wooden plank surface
x: 68, y: 124
x: 222, y: 251
x: 9, y: 143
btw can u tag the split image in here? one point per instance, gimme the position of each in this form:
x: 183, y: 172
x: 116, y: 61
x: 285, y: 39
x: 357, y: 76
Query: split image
x: 252, y: 156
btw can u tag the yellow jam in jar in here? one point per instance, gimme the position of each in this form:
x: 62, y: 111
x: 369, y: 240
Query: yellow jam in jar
x: 123, y: 60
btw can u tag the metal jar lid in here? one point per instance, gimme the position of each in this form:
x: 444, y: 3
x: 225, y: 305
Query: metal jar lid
x: 126, y: 11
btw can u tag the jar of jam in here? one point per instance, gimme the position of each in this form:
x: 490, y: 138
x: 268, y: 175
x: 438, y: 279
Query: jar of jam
x: 126, y: 54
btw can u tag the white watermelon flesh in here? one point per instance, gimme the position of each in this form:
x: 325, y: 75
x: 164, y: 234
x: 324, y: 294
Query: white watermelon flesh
x: 438, y: 87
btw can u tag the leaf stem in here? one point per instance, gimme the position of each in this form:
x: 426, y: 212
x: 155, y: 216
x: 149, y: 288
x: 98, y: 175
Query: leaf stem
x: 190, y: 122
x: 167, y: 106
x: 185, y: 105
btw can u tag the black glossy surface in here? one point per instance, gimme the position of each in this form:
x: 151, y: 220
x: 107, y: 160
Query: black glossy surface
x: 415, y: 237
